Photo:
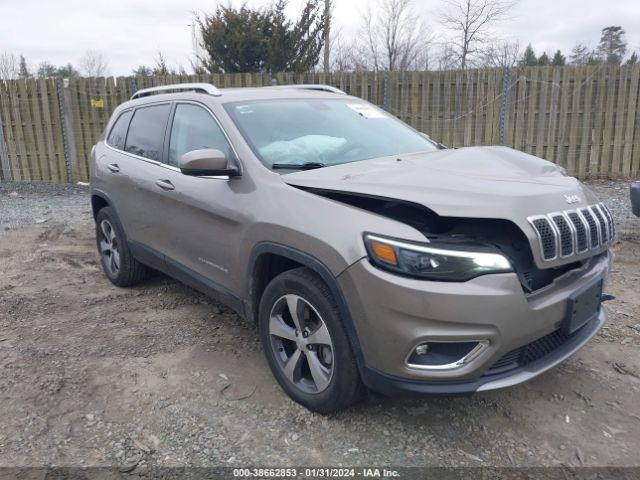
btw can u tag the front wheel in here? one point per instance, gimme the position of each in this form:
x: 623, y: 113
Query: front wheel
x: 305, y: 342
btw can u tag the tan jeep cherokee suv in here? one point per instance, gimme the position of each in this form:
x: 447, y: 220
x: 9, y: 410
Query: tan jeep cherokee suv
x: 369, y: 256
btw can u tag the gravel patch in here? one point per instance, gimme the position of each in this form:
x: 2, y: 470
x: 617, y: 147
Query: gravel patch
x: 27, y: 203
x: 615, y: 195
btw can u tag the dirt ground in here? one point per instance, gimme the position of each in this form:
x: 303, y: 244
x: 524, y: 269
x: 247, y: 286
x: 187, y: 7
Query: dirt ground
x: 91, y: 374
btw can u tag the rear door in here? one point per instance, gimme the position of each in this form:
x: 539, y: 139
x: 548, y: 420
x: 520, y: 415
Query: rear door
x: 140, y: 166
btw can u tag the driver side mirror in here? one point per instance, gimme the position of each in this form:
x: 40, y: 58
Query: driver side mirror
x: 207, y: 162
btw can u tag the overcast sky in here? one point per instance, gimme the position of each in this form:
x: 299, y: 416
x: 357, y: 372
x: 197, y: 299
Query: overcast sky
x: 131, y: 32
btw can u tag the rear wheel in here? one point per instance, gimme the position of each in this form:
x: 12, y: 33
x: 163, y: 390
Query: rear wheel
x: 116, y: 258
x: 305, y: 342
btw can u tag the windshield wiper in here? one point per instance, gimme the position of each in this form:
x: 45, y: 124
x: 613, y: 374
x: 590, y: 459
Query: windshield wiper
x: 298, y: 166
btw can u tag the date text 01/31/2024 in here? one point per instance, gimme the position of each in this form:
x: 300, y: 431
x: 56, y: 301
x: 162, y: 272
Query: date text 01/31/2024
x: 315, y: 472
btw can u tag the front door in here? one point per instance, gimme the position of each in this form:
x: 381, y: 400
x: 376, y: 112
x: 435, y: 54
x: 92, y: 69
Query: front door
x: 202, y: 220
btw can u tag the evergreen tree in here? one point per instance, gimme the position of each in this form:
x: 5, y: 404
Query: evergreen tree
x: 633, y: 59
x: 580, y: 54
x: 47, y: 70
x: 67, y: 71
x: 24, y: 69
x: 558, y: 59
x: 543, y: 60
x: 529, y: 58
x: 262, y: 40
x: 142, y: 71
x: 613, y: 45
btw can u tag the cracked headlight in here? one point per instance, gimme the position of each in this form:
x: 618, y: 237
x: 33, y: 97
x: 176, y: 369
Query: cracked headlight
x: 421, y: 260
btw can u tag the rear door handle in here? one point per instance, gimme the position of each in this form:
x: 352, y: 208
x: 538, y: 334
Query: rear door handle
x: 113, y: 167
x: 165, y: 184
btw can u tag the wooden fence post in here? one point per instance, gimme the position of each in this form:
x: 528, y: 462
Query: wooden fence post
x: 504, y: 104
x: 68, y: 139
x: 4, y: 159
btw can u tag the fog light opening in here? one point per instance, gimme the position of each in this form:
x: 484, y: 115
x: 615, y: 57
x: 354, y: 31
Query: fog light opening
x: 434, y: 355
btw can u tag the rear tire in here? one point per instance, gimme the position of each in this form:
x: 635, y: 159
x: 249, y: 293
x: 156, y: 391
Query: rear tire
x: 116, y: 258
x: 309, y: 355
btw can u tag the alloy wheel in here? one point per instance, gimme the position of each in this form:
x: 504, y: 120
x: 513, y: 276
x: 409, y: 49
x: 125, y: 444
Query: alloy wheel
x: 109, y: 248
x: 301, y: 343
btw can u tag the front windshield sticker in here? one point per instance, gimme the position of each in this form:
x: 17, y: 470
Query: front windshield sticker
x: 244, y: 109
x: 366, y: 111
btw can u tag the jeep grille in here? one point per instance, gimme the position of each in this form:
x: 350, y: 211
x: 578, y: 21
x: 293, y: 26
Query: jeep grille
x: 572, y: 232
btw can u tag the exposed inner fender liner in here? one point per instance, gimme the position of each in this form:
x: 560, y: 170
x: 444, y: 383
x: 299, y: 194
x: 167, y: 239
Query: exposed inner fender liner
x: 418, y: 216
x: 323, y: 271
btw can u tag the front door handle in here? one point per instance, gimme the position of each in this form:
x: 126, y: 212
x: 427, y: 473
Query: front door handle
x: 165, y: 184
x: 113, y: 167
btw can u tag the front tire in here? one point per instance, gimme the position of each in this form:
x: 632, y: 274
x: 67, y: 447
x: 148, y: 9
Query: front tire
x: 305, y: 342
x: 116, y: 258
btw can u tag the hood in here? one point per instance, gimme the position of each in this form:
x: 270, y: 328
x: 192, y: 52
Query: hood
x: 481, y: 182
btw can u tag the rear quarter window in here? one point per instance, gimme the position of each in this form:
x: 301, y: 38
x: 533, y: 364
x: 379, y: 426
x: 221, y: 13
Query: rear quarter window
x: 146, y: 131
x: 118, y: 133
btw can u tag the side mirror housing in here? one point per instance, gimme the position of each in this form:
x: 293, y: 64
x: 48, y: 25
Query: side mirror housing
x: 207, y: 162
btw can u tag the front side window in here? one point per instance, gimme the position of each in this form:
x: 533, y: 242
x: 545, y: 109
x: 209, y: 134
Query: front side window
x: 146, y: 132
x: 326, y: 132
x: 118, y: 133
x: 194, y: 129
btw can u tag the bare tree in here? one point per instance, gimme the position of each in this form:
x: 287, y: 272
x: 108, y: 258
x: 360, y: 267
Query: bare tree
x: 392, y: 36
x: 470, y: 22
x: 502, y: 54
x: 94, y: 64
x: 9, y: 66
x: 447, y: 57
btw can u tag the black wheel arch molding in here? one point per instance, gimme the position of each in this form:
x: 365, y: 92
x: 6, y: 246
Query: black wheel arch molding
x: 318, y: 267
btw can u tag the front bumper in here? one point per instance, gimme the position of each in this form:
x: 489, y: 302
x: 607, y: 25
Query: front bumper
x: 396, y: 387
x: 392, y: 314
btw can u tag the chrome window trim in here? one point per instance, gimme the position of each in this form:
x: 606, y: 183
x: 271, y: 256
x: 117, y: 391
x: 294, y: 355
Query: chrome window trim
x: 468, y: 358
x: 215, y: 118
x: 166, y: 165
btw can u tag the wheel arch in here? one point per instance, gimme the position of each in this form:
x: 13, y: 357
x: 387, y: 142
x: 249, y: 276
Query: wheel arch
x: 261, y: 271
x: 99, y: 200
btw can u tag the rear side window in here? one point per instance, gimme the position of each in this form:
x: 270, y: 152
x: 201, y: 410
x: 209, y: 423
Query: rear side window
x: 194, y: 129
x: 146, y: 132
x: 119, y: 131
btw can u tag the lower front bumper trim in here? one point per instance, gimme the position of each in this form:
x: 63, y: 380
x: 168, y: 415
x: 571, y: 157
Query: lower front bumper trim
x: 393, y: 386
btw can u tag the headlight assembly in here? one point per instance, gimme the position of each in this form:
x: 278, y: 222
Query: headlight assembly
x: 432, y: 263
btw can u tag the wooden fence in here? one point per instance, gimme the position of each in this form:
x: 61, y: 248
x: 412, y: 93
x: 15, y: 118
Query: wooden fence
x: 586, y: 119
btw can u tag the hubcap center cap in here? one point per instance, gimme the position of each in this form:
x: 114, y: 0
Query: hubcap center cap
x: 301, y: 343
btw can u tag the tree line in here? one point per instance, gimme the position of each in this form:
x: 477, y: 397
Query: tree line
x: 611, y: 50
x: 392, y: 36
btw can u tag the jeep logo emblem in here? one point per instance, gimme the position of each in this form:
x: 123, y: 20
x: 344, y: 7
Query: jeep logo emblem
x: 572, y: 199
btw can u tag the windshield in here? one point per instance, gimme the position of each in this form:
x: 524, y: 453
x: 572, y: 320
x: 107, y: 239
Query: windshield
x: 322, y: 132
